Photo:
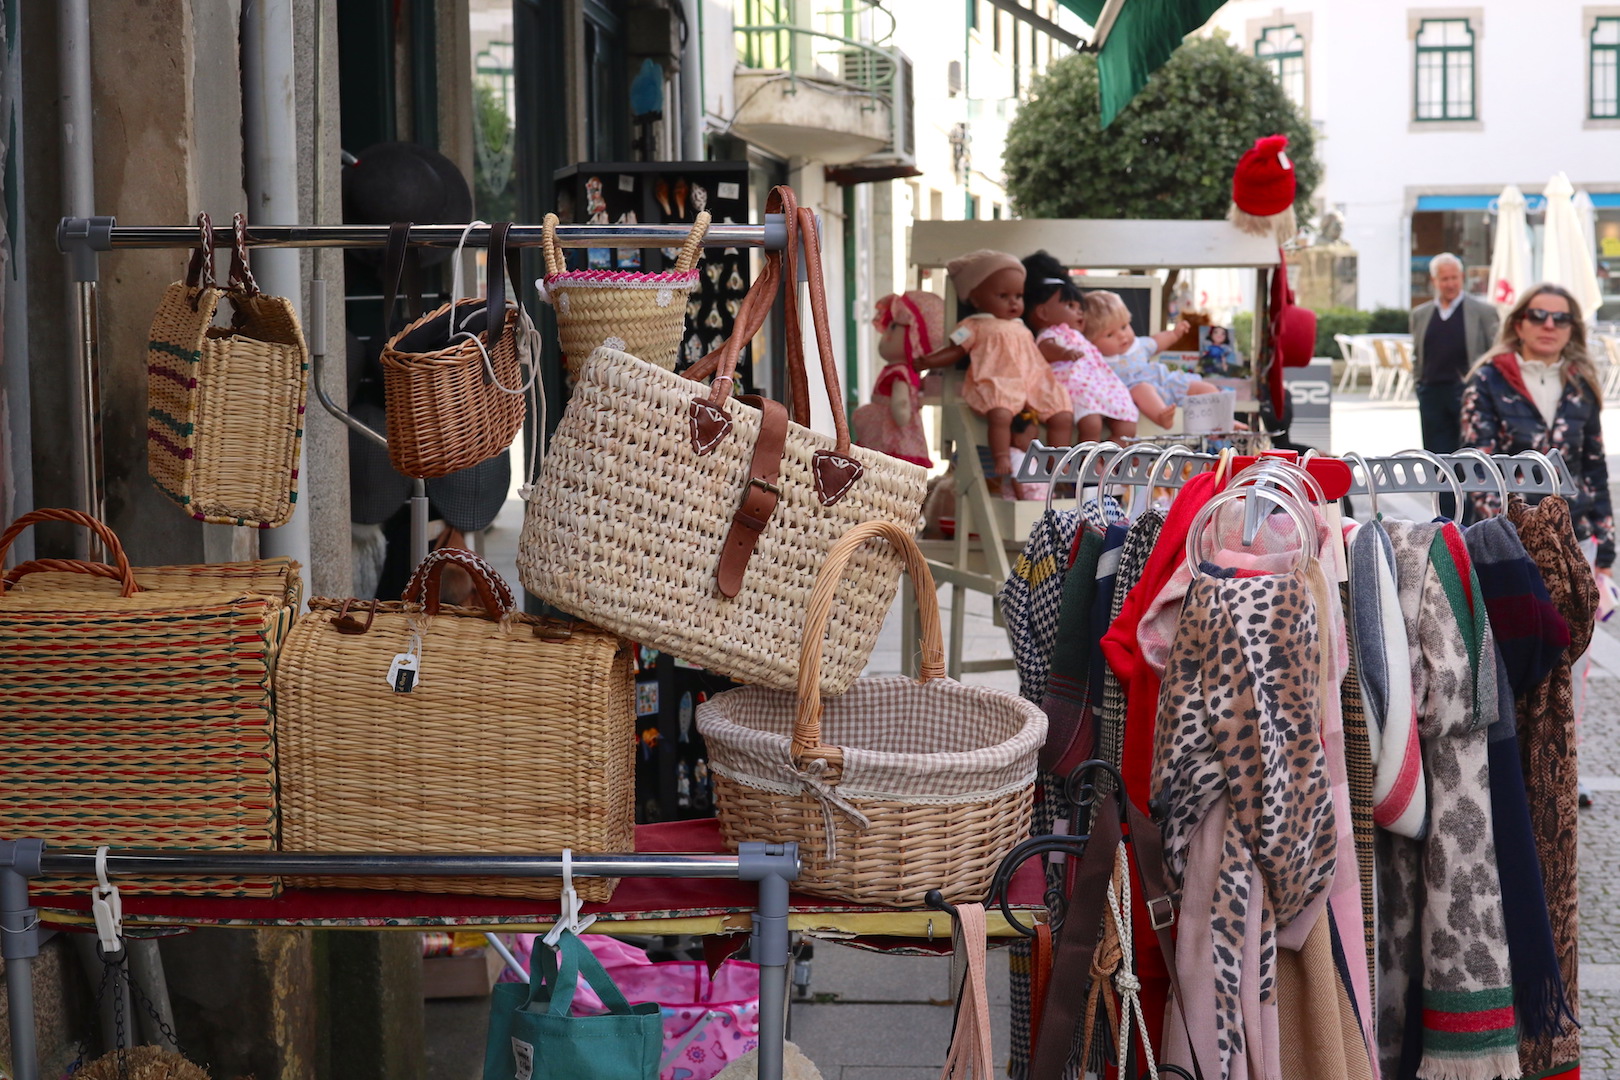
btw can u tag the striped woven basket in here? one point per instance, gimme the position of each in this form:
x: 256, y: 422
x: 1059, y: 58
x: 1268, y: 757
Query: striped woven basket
x: 517, y: 735
x: 640, y: 314
x: 225, y: 405
x: 135, y: 706
x: 890, y: 790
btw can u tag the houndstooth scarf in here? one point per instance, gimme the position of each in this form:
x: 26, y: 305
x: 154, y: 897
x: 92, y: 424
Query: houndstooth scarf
x: 1032, y: 597
x: 1445, y: 987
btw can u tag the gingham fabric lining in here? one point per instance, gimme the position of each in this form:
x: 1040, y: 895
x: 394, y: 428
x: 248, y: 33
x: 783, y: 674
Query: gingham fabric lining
x: 935, y: 743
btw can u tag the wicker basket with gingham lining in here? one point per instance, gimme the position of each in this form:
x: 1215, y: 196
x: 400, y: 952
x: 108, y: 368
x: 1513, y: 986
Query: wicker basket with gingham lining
x: 891, y: 789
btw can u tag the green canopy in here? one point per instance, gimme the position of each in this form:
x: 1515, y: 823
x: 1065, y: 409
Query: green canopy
x: 1140, y: 40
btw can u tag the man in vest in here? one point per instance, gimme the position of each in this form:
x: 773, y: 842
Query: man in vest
x: 1449, y: 333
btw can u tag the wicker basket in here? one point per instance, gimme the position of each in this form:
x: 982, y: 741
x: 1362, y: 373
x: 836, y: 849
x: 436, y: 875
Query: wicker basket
x: 652, y: 486
x: 640, y: 314
x: 930, y: 784
x: 519, y: 737
x: 225, y: 405
x: 456, y: 400
x: 135, y: 706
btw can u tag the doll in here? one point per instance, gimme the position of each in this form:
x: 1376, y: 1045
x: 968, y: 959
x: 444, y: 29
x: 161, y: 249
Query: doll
x: 910, y: 326
x: 1053, y: 309
x: 1006, y: 373
x: 1155, y: 388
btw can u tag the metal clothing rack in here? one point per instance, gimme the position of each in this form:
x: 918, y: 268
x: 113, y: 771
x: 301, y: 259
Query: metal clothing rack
x: 772, y: 866
x: 83, y: 239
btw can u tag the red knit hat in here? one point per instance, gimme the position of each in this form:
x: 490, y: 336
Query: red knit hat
x: 1263, y: 189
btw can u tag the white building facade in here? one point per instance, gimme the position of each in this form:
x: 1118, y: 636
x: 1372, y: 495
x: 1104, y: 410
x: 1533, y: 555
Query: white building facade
x: 1425, y: 112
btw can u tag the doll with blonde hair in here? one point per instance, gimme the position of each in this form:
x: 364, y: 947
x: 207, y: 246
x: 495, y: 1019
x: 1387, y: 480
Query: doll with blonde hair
x: 1006, y: 373
x: 910, y: 326
x: 1156, y: 389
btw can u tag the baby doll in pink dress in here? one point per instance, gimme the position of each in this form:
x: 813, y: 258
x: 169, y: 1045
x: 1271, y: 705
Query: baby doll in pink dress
x: 911, y: 326
x: 1006, y: 373
x: 1055, y: 312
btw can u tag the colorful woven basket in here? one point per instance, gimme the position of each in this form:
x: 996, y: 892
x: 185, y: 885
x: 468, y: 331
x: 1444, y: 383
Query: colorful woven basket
x: 135, y: 706
x: 890, y: 790
x: 640, y: 314
x: 515, y: 735
x: 225, y: 405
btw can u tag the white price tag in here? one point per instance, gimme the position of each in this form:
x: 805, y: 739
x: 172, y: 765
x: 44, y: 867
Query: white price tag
x: 523, y: 1057
x: 727, y: 190
x: 627, y: 182
x: 404, y: 674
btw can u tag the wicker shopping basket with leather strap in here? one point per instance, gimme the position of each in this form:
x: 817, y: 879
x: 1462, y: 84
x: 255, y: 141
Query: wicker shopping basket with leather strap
x: 225, y: 405
x: 890, y: 790
x: 135, y: 705
x: 636, y: 313
x: 511, y: 733
x: 453, y: 379
x: 694, y: 522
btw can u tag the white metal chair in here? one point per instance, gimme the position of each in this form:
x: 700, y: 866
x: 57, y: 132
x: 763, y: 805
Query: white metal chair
x: 1356, y: 361
x: 1405, y: 380
x: 1609, y: 372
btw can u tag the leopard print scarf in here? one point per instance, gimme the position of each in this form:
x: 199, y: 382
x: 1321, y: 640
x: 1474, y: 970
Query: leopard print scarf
x: 1238, y: 750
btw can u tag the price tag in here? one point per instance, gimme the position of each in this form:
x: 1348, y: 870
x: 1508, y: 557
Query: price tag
x: 404, y: 674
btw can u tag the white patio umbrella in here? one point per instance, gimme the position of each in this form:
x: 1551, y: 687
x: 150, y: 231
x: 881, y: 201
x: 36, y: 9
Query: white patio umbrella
x: 1586, y: 214
x: 1510, y: 249
x: 1566, y: 254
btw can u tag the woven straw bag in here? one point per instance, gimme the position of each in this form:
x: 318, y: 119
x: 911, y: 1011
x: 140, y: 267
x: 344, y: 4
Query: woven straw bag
x: 640, y: 314
x: 225, y: 405
x: 890, y: 790
x: 365, y: 767
x: 453, y: 378
x: 135, y: 706
x: 694, y: 522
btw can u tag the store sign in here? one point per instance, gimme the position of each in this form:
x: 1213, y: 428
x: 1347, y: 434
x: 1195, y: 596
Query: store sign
x: 1311, y: 390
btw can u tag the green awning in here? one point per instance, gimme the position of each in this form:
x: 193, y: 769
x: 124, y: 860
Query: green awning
x: 1139, y: 41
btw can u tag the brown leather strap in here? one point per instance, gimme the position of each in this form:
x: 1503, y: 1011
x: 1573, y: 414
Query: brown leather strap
x: 493, y: 592
x: 1149, y: 843
x: 759, y: 497
x: 1063, y: 1011
x: 1040, y: 979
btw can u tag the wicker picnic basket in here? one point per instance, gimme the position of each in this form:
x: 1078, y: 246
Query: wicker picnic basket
x: 225, y: 405
x: 640, y: 314
x: 135, y: 705
x: 892, y: 789
x: 517, y: 735
x: 693, y: 522
x: 453, y: 379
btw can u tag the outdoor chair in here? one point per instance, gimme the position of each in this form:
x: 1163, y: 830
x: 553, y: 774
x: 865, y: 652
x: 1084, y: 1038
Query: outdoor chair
x: 1356, y: 360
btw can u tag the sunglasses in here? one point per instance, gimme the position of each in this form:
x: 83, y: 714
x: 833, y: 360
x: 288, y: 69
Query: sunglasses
x: 1540, y: 316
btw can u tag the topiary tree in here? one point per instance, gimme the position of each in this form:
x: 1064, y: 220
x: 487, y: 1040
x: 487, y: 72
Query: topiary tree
x: 1169, y: 154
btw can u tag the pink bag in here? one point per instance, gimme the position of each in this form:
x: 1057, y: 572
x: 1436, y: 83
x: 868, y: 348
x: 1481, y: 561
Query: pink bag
x: 708, y: 1023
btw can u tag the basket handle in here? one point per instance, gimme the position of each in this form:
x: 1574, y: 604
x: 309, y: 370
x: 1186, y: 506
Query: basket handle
x: 395, y: 257
x: 692, y: 248
x: 549, y: 248
x: 200, y: 270
x: 241, y: 279
x: 493, y: 591
x: 119, y: 571
x: 807, y: 722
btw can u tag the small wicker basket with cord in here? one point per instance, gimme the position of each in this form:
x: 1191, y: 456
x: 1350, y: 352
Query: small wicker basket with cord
x: 890, y: 790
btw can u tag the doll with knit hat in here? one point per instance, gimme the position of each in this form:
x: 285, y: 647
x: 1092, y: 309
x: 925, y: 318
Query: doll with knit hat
x: 911, y: 325
x: 1006, y: 372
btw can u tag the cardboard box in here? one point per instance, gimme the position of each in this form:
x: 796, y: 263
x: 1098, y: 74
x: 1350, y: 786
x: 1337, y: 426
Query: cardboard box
x: 472, y: 974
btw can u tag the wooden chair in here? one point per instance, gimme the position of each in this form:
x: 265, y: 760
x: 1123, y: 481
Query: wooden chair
x: 1405, y: 377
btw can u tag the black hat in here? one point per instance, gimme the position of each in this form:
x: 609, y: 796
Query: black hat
x: 399, y: 181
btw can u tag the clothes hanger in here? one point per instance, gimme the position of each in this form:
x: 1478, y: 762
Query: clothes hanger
x: 1108, y: 471
x: 1493, y: 471
x: 1544, y: 461
x: 1308, y: 548
x: 1063, y: 463
x: 1372, y: 486
x: 1441, y: 470
x: 1277, y: 472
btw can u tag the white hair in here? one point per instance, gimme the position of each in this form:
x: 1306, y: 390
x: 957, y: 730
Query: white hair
x: 1442, y: 259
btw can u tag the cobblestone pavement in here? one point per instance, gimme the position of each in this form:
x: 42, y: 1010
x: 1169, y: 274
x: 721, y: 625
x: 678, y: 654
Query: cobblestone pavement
x: 1600, y: 863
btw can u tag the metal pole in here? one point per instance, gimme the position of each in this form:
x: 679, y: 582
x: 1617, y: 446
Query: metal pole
x: 79, y: 199
x: 270, y: 145
x: 771, y: 235
x: 419, y: 522
x: 773, y: 866
x: 19, y: 944
x: 316, y: 864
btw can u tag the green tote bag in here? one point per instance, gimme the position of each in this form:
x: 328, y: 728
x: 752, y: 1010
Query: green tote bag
x: 533, y: 1036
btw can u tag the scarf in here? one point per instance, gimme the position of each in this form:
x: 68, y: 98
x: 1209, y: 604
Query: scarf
x: 1032, y: 596
x: 1445, y: 988
x: 1359, y: 766
x: 1531, y: 636
x: 1547, y: 755
x: 1400, y: 791
x: 1133, y: 557
x: 1249, y: 831
x: 1070, y: 735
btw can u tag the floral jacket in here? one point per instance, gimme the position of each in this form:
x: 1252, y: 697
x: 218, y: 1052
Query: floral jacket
x: 1500, y: 417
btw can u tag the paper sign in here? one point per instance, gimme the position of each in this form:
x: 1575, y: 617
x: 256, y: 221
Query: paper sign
x: 627, y: 182
x: 727, y: 190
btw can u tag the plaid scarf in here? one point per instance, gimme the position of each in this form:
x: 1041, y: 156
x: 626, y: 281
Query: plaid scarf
x: 1032, y: 597
x: 1445, y: 988
x: 1547, y: 753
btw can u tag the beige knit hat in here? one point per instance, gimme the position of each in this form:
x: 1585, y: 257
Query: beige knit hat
x: 969, y: 271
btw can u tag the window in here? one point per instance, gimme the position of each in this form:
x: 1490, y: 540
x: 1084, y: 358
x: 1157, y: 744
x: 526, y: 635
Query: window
x: 1604, y: 103
x: 971, y: 208
x: 1444, y: 86
x: 1283, y: 51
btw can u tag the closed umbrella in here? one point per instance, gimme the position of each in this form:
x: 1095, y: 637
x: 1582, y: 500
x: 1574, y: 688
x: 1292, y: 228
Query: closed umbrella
x: 1510, y: 249
x: 1566, y: 254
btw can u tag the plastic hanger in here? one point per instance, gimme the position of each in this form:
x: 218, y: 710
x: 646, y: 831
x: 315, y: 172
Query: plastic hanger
x: 107, y: 906
x: 1440, y: 469
x: 1493, y: 471
x: 569, y: 916
x: 1367, y: 473
x: 1195, y: 535
x: 1332, y: 474
x: 1063, y: 463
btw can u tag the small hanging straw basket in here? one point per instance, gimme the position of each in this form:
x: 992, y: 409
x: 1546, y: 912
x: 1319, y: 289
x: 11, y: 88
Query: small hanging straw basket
x: 640, y: 314
x: 890, y: 790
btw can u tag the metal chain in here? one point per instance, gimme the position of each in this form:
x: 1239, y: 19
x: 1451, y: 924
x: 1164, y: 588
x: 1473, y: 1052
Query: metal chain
x: 119, y: 962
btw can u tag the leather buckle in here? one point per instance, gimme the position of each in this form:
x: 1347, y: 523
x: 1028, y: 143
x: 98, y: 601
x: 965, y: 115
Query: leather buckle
x: 1168, y: 918
x: 764, y: 485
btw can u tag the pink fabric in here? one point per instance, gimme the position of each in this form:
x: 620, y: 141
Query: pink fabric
x: 873, y: 423
x: 724, y: 1010
x: 1093, y: 386
x: 1006, y: 370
